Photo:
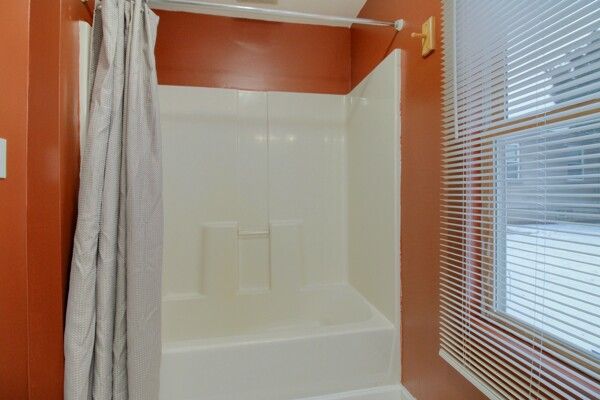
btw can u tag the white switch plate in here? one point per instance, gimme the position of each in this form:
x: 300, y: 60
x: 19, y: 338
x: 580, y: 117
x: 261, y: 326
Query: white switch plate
x: 2, y: 158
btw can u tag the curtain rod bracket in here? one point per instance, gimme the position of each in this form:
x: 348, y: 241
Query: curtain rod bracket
x: 398, y: 24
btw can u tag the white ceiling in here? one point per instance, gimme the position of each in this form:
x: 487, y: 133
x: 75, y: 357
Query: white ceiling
x: 342, y: 8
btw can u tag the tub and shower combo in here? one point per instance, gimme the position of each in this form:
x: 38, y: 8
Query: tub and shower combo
x: 282, y: 266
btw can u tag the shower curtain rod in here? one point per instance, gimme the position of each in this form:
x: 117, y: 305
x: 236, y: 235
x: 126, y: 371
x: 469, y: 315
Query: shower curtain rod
x: 398, y: 24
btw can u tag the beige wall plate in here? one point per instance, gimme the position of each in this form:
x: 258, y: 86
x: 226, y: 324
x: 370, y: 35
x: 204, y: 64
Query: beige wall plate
x: 427, y: 36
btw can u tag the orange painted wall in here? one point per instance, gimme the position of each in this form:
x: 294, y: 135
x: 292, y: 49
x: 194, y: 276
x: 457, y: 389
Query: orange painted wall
x: 53, y: 174
x: 39, y: 116
x: 38, y: 200
x: 14, y: 67
x: 424, y: 373
x: 211, y: 51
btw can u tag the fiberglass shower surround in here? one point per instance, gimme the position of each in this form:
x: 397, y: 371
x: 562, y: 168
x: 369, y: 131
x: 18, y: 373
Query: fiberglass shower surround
x: 281, y: 267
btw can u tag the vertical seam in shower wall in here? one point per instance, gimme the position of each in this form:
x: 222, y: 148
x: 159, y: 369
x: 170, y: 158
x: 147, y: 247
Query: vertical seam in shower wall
x: 238, y: 129
x: 346, y: 101
x: 268, y: 196
x: 252, y: 164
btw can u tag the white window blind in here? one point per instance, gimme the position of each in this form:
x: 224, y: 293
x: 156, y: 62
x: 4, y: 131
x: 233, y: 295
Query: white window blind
x: 520, y: 242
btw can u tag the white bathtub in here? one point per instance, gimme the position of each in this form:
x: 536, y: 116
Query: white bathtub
x: 282, y: 243
x: 321, y: 341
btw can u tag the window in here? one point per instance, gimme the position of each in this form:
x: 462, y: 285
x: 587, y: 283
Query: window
x: 547, y: 233
x: 520, y: 246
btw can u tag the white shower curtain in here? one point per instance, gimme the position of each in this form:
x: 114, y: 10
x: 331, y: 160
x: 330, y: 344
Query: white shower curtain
x: 112, y: 333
